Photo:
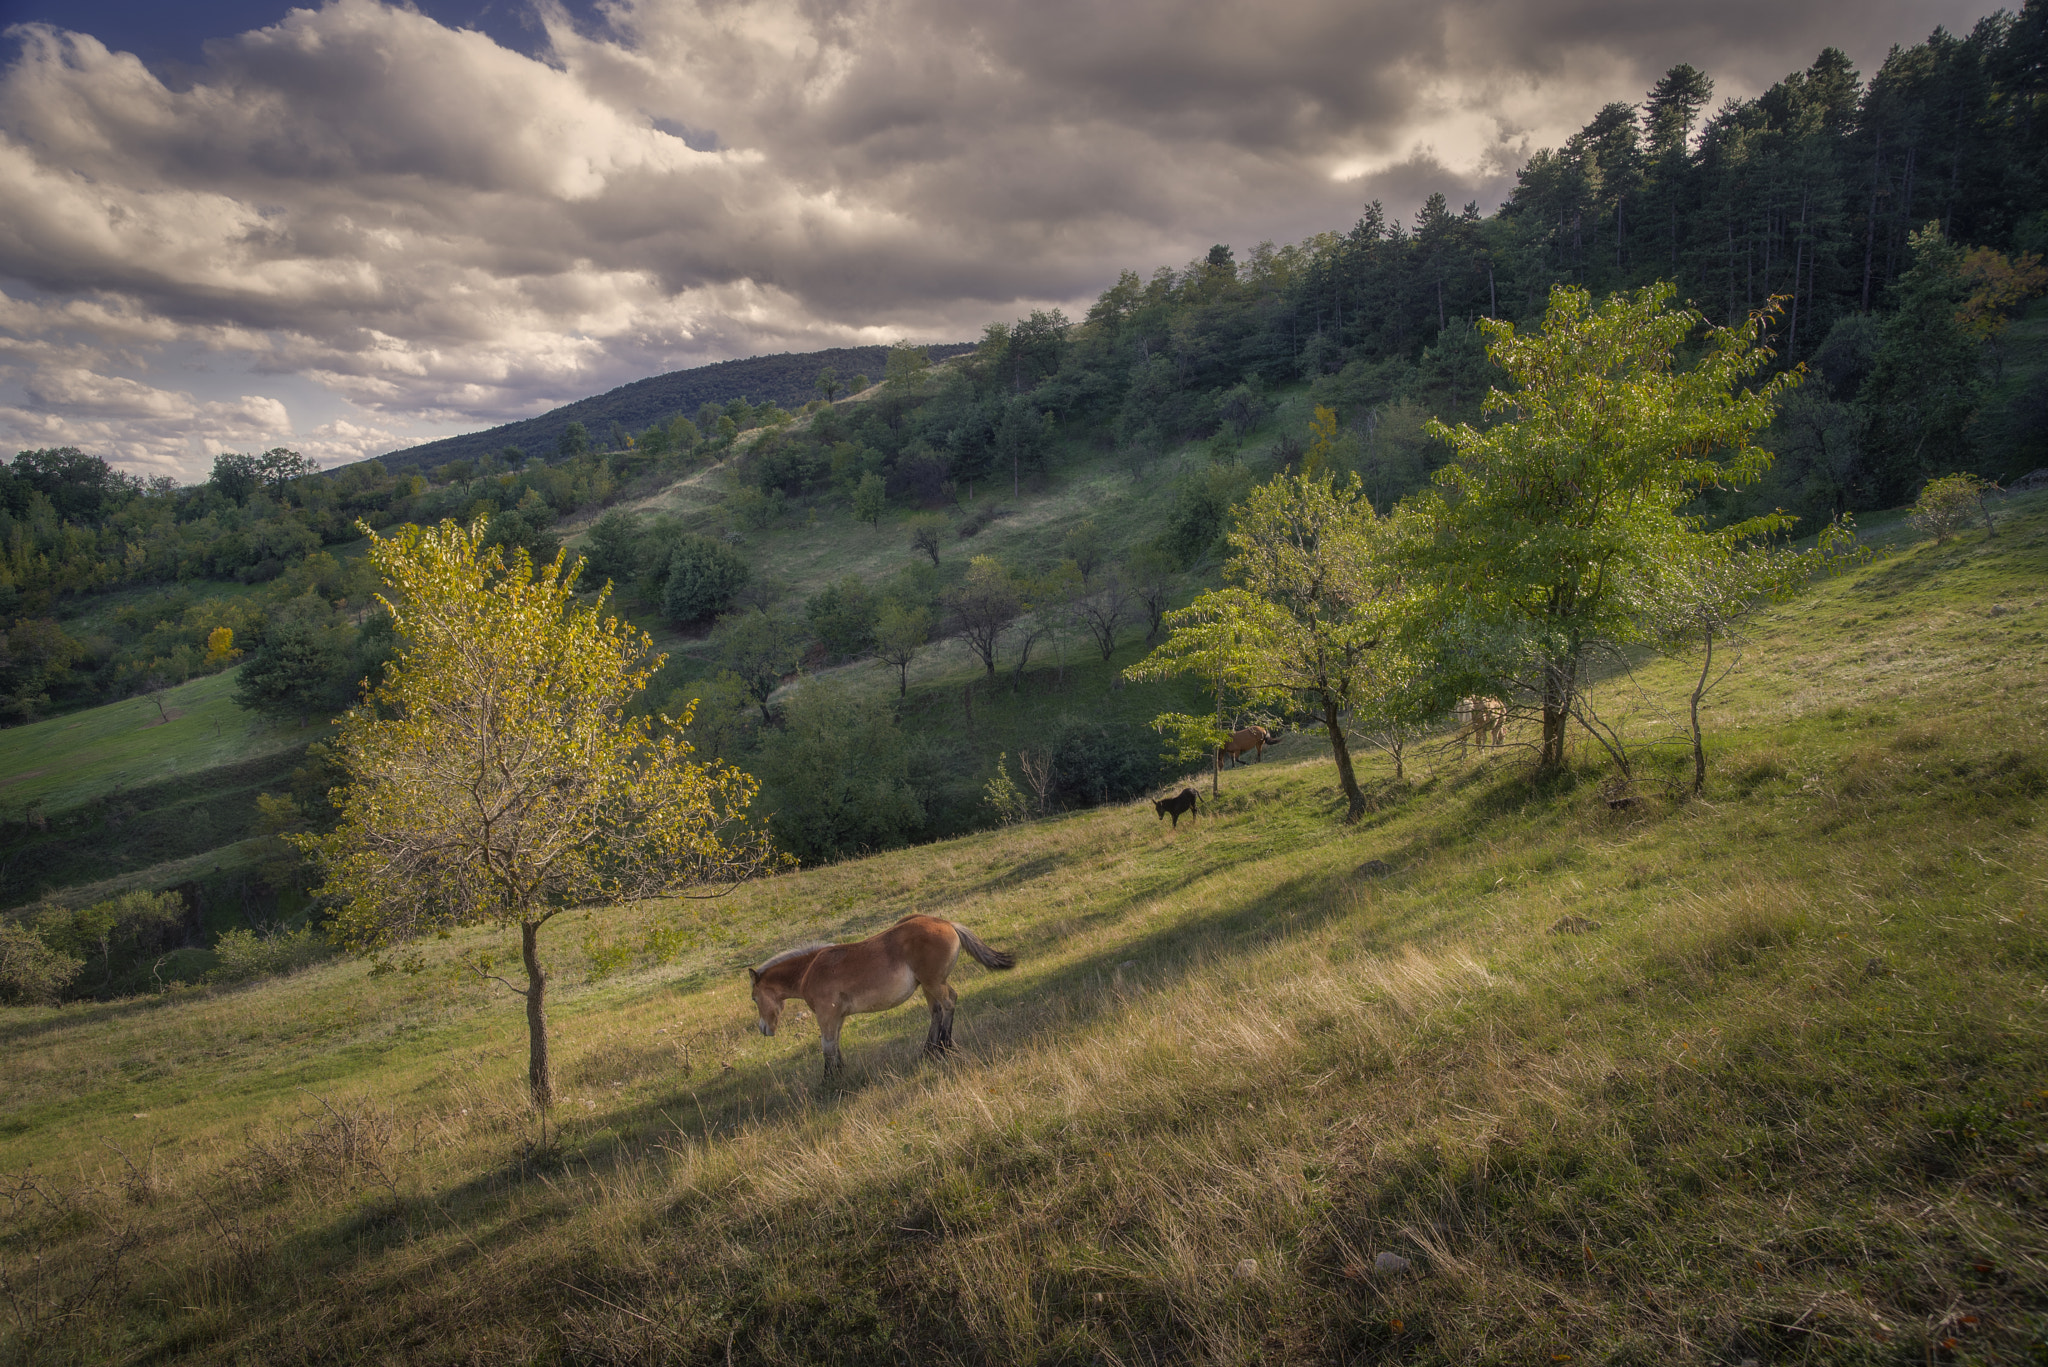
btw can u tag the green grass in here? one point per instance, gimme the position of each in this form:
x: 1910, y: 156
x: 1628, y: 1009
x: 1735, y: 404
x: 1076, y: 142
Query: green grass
x: 1757, y: 1076
x: 66, y: 761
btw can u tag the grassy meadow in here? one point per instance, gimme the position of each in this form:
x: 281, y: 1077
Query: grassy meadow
x: 68, y: 760
x: 1504, y: 1073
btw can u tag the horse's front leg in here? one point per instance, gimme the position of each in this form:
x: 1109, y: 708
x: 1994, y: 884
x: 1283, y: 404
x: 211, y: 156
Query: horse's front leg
x: 828, y: 1033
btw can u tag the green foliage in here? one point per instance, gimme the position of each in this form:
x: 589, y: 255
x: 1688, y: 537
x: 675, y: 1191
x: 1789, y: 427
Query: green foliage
x: 1949, y: 504
x: 242, y: 955
x: 759, y: 649
x: 836, y: 774
x: 302, y: 667
x: 113, y: 934
x: 1926, y: 381
x: 870, y: 499
x: 900, y: 632
x: 1554, y: 530
x: 702, y: 577
x: 843, y: 617
x: 1001, y: 795
x: 32, y: 973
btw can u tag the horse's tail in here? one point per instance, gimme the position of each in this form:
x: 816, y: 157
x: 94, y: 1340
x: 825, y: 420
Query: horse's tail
x: 983, y: 955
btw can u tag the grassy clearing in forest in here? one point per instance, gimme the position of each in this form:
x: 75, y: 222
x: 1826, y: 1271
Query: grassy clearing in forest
x: 1756, y: 1076
x: 68, y: 760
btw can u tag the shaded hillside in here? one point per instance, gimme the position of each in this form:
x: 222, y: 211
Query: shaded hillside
x: 787, y: 378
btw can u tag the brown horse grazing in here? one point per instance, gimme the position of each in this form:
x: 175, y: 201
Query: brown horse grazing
x: 875, y: 974
x: 1253, y: 738
x: 1174, y: 806
x: 1481, y: 718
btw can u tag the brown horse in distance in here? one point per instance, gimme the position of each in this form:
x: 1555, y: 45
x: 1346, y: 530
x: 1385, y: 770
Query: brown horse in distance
x: 875, y: 974
x: 1252, y: 738
x: 1184, y: 801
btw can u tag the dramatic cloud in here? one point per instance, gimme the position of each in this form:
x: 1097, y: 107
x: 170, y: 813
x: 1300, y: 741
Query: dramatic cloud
x: 404, y: 229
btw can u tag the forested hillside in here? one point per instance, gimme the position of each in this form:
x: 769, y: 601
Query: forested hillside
x: 785, y: 379
x: 1015, y: 515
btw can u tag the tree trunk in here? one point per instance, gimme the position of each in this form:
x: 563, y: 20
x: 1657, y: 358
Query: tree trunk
x: 1559, y: 676
x: 540, y: 1076
x: 1347, y: 780
x: 1699, y: 752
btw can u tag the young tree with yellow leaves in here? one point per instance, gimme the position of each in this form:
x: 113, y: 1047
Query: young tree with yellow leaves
x: 494, y: 777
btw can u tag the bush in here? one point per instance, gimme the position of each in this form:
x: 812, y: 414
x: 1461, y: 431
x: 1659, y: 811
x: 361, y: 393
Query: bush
x: 244, y: 954
x: 1093, y: 762
x: 843, y: 617
x: 837, y: 776
x: 703, y: 578
x: 1949, y: 504
x: 31, y: 973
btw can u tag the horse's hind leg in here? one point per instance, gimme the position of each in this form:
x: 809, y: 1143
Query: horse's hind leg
x: 942, y: 998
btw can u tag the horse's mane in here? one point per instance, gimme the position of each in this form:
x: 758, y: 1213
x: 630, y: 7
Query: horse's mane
x: 811, y: 948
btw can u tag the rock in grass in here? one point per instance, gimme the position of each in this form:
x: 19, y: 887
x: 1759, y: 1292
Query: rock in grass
x: 1390, y: 1264
x: 1573, y: 925
x: 1247, y: 1268
x: 1375, y: 868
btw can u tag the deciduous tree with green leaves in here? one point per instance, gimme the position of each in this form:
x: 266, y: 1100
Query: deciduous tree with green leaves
x: 1553, y: 532
x: 1309, y: 599
x: 494, y: 777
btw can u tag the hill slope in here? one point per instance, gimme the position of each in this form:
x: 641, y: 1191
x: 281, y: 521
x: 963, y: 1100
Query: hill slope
x: 1759, y: 1076
x: 787, y: 379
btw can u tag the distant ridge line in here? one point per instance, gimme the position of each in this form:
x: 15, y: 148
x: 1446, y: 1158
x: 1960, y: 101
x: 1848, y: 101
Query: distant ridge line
x: 785, y: 378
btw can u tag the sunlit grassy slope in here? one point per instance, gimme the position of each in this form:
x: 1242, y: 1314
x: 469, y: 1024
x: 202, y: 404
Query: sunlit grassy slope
x: 1759, y: 1076
x: 71, y: 759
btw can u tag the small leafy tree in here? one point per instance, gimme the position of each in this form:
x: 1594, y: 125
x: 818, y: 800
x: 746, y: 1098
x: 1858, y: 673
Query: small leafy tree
x: 1951, y: 503
x: 1550, y: 533
x: 32, y: 973
x: 828, y: 383
x: 843, y: 617
x: 838, y: 771
x: 984, y: 606
x: 871, y: 499
x: 301, y: 668
x: 1309, y: 601
x: 899, y: 634
x: 495, y: 777
x: 1103, y: 611
x: 1708, y: 602
x: 704, y: 576
x: 760, y: 649
x: 1002, y: 796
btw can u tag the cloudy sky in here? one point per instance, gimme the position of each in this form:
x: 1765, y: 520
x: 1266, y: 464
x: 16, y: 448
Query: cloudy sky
x: 346, y: 229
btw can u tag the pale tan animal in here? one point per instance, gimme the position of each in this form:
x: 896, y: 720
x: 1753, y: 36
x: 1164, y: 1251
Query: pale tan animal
x: 875, y: 974
x: 1481, y: 719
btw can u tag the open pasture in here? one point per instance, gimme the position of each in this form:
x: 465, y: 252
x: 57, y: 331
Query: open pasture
x: 1501, y: 1074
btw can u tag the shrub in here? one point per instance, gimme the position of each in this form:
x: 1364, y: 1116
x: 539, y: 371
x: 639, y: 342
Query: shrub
x: 245, y: 954
x: 843, y: 617
x: 703, y: 578
x: 1949, y: 504
x: 31, y: 973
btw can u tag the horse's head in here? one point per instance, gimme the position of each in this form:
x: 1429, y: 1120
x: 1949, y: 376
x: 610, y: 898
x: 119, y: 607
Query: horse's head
x: 768, y: 999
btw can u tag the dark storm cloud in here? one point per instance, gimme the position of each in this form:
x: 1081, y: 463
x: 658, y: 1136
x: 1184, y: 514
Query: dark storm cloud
x: 432, y: 226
